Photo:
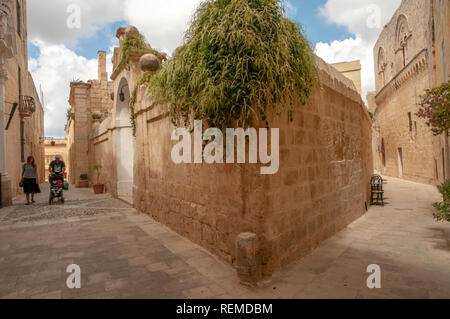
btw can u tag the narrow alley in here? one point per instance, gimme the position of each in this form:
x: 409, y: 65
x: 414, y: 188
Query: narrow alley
x: 124, y: 254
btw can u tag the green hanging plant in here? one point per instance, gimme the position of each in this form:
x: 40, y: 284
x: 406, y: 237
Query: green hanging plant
x: 134, y: 42
x: 241, y: 59
x: 144, y: 80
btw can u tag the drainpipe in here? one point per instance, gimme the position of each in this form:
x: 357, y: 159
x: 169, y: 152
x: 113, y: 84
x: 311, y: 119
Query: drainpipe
x: 447, y: 156
x: 5, y: 181
x: 6, y: 52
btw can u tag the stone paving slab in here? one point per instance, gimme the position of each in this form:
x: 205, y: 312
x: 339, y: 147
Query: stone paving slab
x: 124, y: 254
x: 121, y: 253
x: 402, y: 238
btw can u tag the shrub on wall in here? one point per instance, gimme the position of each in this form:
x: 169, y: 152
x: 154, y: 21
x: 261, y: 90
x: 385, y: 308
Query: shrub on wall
x: 443, y: 207
x: 241, y: 59
x: 435, y: 108
x: 134, y: 42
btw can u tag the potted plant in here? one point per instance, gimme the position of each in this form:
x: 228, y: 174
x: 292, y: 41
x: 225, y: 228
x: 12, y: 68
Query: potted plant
x: 83, y: 183
x: 98, y: 188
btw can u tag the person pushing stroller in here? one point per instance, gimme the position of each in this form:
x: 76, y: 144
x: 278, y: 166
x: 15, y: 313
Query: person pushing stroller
x: 57, y: 169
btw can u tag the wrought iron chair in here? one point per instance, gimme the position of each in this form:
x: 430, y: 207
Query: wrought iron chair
x: 377, y: 192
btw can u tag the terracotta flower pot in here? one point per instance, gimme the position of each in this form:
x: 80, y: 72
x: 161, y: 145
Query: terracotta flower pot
x: 83, y: 184
x: 99, y: 189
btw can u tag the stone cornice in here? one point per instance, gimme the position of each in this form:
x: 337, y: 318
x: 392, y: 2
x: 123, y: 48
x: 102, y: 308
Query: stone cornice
x: 416, y: 66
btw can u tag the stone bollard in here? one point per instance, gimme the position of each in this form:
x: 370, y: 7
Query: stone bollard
x: 248, y: 259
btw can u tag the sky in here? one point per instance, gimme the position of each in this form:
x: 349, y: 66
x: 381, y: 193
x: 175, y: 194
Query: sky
x: 65, y: 37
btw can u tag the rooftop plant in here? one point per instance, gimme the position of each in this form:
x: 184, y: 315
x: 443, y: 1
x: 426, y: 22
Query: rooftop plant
x: 242, y: 59
x: 132, y: 42
x: 135, y: 42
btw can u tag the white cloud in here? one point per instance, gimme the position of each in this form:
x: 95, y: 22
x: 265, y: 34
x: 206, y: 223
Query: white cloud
x: 162, y: 22
x: 365, y: 19
x: 54, y: 69
x: 47, y: 19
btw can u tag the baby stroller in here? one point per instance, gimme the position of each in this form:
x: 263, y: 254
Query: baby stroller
x: 56, y: 188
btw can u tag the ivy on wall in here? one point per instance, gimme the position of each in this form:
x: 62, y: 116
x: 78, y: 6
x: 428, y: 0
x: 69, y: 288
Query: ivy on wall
x: 134, y: 42
x: 145, y: 79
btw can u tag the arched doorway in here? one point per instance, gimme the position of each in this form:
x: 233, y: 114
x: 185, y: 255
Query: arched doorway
x: 124, y: 143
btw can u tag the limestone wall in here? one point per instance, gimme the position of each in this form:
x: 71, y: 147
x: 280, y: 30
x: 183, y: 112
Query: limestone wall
x: 414, y: 16
x: 441, y: 13
x: 19, y: 83
x: 322, y: 184
x: 101, y: 152
x: 326, y: 166
x: 86, y: 100
x: 351, y: 70
x: 405, y: 146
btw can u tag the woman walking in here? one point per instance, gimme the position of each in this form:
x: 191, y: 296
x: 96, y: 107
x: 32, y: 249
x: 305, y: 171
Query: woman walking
x: 29, y: 179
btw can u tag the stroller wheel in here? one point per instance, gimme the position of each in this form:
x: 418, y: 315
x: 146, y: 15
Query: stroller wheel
x: 62, y: 200
x: 50, y: 201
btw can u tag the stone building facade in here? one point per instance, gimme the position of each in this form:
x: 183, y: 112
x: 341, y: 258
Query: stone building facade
x: 410, y: 56
x: 351, y: 70
x: 90, y: 102
x: 22, y: 120
x: 322, y: 184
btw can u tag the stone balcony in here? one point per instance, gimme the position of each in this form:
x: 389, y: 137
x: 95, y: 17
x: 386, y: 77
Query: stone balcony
x: 415, y: 67
x: 27, y: 106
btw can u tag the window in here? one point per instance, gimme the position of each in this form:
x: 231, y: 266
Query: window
x: 400, y: 162
x: 444, y: 62
x: 444, y: 173
x: 436, y: 168
x: 382, y: 66
x: 403, y: 34
x: 19, y: 18
x: 19, y: 81
x: 405, y: 54
x: 410, y: 122
x: 22, y: 141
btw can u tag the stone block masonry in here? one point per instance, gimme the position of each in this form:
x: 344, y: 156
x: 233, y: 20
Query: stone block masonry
x: 322, y: 184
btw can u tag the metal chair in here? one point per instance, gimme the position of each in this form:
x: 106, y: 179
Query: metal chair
x: 377, y: 192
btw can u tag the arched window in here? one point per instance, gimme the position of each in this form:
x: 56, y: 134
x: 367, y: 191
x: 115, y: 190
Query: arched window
x: 382, y: 66
x: 19, y: 17
x: 403, y: 34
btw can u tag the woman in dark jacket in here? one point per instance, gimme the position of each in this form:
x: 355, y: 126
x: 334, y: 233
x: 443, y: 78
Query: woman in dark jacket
x: 29, y: 179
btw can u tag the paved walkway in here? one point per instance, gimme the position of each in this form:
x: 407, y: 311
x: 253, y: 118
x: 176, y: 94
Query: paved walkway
x: 124, y: 254
x: 412, y: 249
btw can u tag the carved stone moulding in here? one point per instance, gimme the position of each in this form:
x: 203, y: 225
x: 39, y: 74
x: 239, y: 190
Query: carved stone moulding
x: 5, y: 11
x: 27, y: 106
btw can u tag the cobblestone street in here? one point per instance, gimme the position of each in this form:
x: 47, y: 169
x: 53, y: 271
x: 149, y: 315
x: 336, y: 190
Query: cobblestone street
x: 123, y: 254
